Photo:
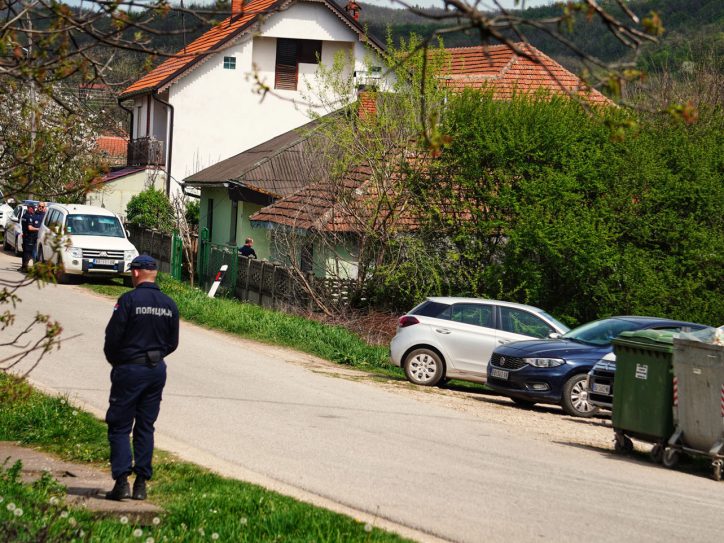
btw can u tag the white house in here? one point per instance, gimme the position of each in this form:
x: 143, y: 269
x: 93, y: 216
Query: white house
x: 114, y: 190
x: 203, y: 105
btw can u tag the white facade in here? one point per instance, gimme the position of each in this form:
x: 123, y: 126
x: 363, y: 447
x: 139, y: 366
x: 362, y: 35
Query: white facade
x: 115, y: 195
x: 218, y: 112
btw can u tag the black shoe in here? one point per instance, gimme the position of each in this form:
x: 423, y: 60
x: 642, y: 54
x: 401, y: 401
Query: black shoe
x: 121, y: 490
x: 139, y: 488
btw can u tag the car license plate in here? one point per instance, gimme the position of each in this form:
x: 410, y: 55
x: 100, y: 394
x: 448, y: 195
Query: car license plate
x: 104, y: 262
x: 601, y: 389
x: 499, y: 374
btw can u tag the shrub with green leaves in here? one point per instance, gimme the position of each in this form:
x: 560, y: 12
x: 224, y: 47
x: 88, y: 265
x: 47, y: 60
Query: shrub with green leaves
x: 151, y: 209
x: 584, y: 213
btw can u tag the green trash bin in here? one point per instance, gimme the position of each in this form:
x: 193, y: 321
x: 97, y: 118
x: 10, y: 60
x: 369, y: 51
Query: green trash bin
x: 642, y: 402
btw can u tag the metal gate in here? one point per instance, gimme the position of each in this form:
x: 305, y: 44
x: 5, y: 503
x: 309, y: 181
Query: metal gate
x: 211, y: 257
x: 177, y: 256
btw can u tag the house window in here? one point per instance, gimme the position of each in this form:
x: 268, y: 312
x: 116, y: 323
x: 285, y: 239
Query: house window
x: 233, y: 222
x: 229, y: 63
x: 290, y: 53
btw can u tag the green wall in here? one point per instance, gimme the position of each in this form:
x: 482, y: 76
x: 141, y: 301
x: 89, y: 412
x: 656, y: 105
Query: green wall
x: 221, y: 229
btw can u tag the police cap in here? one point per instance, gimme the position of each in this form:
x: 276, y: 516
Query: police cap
x: 144, y: 262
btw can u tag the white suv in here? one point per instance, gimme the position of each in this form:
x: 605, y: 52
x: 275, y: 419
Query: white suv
x: 93, y: 243
x: 453, y: 338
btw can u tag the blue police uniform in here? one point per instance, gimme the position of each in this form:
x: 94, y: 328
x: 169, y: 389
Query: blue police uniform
x: 143, y: 330
x: 37, y: 222
x: 29, y: 238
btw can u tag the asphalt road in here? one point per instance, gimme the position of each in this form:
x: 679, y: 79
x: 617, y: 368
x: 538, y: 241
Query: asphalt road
x: 266, y: 415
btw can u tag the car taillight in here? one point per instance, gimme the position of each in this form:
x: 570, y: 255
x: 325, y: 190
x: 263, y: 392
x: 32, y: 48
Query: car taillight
x: 408, y: 321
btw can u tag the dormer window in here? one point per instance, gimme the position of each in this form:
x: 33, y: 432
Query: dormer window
x: 290, y: 53
x: 229, y: 63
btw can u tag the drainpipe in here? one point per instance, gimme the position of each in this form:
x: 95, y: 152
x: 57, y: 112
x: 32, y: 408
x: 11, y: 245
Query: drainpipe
x: 130, y: 135
x: 169, y: 135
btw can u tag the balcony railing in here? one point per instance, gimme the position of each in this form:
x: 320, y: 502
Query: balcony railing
x: 145, y: 152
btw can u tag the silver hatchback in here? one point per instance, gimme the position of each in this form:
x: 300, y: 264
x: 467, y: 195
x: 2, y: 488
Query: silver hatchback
x: 453, y: 338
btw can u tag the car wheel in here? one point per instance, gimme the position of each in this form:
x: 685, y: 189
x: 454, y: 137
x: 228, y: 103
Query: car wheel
x: 424, y: 367
x: 520, y: 402
x: 575, y: 397
x: 19, y: 246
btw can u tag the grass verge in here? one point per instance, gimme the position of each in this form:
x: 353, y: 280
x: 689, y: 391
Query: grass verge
x: 200, y: 505
x: 250, y: 321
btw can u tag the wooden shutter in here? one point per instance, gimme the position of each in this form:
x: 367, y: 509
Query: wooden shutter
x: 285, y: 76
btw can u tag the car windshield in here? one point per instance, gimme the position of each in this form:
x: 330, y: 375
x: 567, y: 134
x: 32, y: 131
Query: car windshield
x: 555, y: 321
x: 601, y: 333
x: 94, y: 225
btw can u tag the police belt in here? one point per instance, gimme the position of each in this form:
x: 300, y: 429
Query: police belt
x: 151, y: 358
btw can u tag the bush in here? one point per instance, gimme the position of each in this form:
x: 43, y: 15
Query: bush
x: 193, y: 212
x: 585, y: 214
x: 151, y: 209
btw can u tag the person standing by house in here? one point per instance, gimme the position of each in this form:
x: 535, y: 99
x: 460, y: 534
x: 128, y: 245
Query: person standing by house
x: 28, y: 241
x: 143, y: 329
x: 247, y: 249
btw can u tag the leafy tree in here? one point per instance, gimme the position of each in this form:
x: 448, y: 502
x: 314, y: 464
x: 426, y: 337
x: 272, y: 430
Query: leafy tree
x: 192, y: 214
x: 151, y: 209
x: 542, y: 202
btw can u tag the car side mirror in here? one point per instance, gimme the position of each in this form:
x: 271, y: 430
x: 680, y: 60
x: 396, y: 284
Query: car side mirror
x: 554, y: 335
x: 128, y: 234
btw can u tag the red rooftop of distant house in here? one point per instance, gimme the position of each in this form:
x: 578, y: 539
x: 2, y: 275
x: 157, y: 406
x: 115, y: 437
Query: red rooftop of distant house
x: 507, y: 72
x: 112, y: 146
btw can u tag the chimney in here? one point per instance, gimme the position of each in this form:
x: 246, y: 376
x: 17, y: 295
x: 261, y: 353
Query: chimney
x: 366, y: 103
x: 353, y: 8
x: 237, y: 6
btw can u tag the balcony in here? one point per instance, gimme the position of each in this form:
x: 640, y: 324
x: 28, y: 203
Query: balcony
x: 145, y: 152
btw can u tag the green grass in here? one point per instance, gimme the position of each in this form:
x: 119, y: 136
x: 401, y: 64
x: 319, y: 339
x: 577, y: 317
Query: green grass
x: 333, y: 343
x: 198, y: 503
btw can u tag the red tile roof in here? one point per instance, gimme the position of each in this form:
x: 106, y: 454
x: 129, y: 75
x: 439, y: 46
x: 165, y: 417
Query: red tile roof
x: 348, y: 205
x: 503, y: 71
x: 112, y: 146
x: 225, y: 31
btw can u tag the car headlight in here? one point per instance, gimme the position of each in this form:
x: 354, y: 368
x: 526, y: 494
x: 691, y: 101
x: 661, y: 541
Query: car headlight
x: 129, y: 255
x: 75, y: 252
x: 544, y: 362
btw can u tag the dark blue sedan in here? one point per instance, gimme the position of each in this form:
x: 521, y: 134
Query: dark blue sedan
x: 555, y: 370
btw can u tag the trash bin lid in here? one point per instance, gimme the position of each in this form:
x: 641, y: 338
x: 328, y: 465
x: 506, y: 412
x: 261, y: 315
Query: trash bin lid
x: 658, y: 339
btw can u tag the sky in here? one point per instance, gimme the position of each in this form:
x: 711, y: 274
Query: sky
x: 485, y: 5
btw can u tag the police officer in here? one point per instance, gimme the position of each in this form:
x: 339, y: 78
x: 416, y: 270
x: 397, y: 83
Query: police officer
x: 141, y: 332
x: 28, y: 242
x: 37, y: 222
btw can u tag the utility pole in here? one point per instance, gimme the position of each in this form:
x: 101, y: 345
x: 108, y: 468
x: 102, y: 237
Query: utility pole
x: 33, y: 105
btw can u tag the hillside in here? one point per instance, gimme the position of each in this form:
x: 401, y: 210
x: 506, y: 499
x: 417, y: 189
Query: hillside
x: 693, y: 28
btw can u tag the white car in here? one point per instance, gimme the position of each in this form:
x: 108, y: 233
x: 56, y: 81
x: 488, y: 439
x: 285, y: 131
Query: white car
x: 6, y: 212
x: 453, y: 338
x: 92, y: 242
x: 13, y: 238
